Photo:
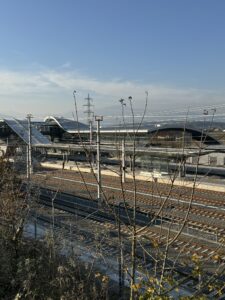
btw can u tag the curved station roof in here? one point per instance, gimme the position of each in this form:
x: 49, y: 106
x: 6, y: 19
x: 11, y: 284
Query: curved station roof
x: 67, y: 125
x: 74, y: 127
x: 20, y: 128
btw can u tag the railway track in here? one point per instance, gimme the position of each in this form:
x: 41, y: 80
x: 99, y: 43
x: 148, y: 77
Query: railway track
x: 156, y: 190
x: 203, y: 217
x: 110, y: 249
x: 206, y: 197
x: 185, y: 244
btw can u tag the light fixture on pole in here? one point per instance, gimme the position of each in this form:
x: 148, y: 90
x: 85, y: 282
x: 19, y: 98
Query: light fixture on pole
x: 29, y: 147
x: 98, y: 119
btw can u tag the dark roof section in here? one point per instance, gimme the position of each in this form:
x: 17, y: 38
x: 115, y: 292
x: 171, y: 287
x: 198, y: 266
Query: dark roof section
x: 197, y: 134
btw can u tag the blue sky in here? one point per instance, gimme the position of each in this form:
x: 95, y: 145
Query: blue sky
x: 175, y: 49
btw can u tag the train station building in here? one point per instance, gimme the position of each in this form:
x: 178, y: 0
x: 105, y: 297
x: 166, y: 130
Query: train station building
x: 59, y: 130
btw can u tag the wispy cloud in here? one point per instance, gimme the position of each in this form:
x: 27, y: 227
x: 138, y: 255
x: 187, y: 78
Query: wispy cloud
x: 47, y: 91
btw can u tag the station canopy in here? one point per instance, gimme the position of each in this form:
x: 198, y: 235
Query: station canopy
x: 70, y: 126
x: 20, y: 127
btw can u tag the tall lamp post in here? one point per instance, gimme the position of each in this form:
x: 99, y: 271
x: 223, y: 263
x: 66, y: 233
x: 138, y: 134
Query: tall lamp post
x: 98, y: 119
x: 29, y: 147
x: 123, y: 161
x: 120, y: 262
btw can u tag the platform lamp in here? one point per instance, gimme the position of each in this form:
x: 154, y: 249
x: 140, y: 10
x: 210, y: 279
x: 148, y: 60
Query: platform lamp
x: 29, y: 147
x: 99, y: 119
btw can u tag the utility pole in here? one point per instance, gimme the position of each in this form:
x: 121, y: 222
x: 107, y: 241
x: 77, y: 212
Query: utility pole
x: 91, y: 132
x: 98, y: 119
x: 121, y: 260
x: 123, y: 161
x: 29, y: 148
x: 89, y: 113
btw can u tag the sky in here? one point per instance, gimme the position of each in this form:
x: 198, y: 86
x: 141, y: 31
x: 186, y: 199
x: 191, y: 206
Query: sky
x: 111, y: 49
